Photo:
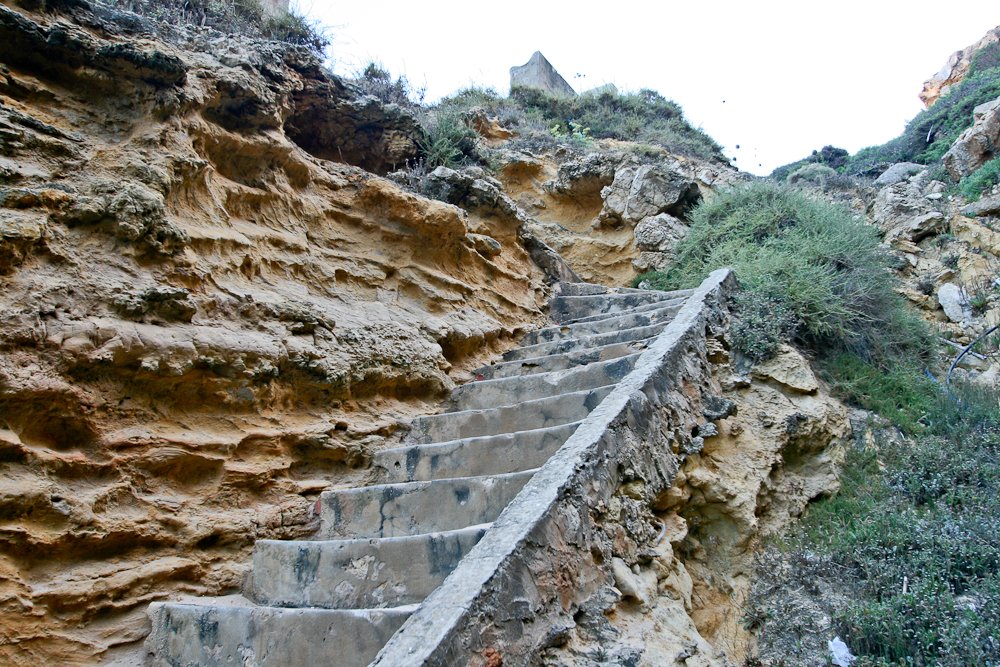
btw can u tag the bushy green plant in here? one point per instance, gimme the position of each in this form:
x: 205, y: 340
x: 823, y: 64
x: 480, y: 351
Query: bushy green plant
x: 826, y: 267
x: 975, y: 184
x: 830, y: 156
x: 761, y: 325
x: 448, y: 141
x: 814, y: 174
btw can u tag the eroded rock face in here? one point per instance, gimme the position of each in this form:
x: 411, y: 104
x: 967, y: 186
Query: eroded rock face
x: 645, y: 191
x: 205, y: 323
x: 955, y: 69
x: 770, y: 442
x: 976, y: 145
x: 904, y: 213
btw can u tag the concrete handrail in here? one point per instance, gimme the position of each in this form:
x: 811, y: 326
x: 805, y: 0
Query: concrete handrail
x: 505, y: 595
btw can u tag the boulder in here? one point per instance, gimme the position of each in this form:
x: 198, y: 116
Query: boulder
x: 660, y: 233
x: 903, y: 213
x: 899, y: 172
x: 488, y: 128
x: 955, y: 303
x: 977, y: 144
x: 985, y: 206
x: 539, y: 73
x: 583, y: 178
x: 640, y: 192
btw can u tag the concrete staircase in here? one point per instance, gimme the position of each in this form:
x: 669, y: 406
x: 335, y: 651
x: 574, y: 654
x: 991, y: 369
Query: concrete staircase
x: 382, y: 549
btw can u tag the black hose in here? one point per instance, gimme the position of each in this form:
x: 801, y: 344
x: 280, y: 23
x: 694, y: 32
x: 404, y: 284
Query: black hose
x: 947, y: 379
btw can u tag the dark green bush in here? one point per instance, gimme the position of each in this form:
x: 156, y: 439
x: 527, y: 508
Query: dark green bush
x: 814, y: 257
x: 830, y: 156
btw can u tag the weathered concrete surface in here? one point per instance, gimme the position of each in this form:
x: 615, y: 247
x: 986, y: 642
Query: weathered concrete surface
x: 491, y: 455
x: 356, y: 574
x: 518, y: 589
x: 413, y: 508
x: 542, y: 413
x: 266, y: 636
x: 539, y: 73
x: 515, y: 390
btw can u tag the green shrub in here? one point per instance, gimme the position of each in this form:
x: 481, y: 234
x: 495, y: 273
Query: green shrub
x: 922, y: 510
x: 375, y: 80
x: 815, y: 174
x: 812, y: 256
x: 646, y: 117
x: 448, y: 141
x: 975, y: 184
x: 246, y: 17
x: 761, y: 325
x: 831, y: 156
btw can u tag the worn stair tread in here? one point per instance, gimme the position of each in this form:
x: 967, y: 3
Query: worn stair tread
x: 520, y: 388
x: 658, y: 305
x: 527, y: 416
x: 357, y: 574
x: 605, y: 325
x: 470, y: 457
x: 588, y: 289
x: 569, y: 308
x: 585, y: 342
x: 560, y: 360
x: 222, y: 635
x: 415, y: 508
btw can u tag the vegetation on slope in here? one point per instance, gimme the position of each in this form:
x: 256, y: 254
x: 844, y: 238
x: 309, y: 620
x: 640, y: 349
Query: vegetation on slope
x: 931, y: 132
x: 920, y: 509
x: 806, y: 257
x: 245, y: 17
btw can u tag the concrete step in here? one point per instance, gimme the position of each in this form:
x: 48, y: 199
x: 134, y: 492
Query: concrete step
x: 559, y: 361
x: 229, y: 635
x: 415, y: 508
x: 656, y: 305
x: 564, y: 309
x: 604, y: 325
x: 491, y: 455
x: 356, y: 574
x: 588, y: 289
x: 568, y: 345
x: 527, y: 416
x: 522, y: 388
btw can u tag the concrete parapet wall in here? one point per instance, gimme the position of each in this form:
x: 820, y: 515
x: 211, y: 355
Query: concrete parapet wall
x: 516, y: 592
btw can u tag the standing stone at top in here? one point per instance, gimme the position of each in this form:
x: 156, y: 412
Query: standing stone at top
x: 275, y: 7
x: 539, y: 73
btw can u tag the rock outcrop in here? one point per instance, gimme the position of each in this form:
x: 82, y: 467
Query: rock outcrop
x: 976, y: 145
x: 955, y: 69
x: 539, y: 73
x: 208, y: 315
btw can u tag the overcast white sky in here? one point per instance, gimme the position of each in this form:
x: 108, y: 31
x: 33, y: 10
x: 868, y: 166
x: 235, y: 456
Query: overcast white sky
x: 777, y: 78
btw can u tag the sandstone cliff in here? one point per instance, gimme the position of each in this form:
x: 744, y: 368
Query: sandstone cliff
x: 214, y: 307
x: 208, y: 314
x: 956, y: 68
